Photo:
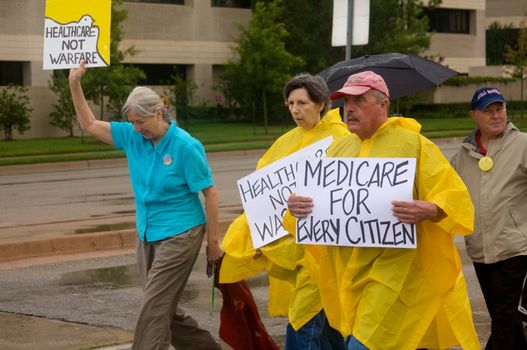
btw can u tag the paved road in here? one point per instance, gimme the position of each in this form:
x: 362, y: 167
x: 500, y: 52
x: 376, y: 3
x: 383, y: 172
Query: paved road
x: 39, y: 202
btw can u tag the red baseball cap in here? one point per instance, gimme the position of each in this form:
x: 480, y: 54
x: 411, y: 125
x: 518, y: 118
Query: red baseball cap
x: 360, y: 83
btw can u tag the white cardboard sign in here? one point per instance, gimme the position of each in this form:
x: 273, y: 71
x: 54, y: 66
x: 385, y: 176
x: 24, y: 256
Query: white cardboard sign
x: 264, y: 193
x: 75, y: 31
x: 352, y: 201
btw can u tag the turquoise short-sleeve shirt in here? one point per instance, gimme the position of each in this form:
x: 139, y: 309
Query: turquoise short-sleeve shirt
x: 166, y: 180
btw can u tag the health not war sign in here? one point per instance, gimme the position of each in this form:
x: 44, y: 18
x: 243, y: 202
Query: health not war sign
x: 76, y: 30
x: 352, y: 201
x: 264, y: 193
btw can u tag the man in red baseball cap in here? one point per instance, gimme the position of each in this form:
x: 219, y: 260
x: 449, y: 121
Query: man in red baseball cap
x: 391, y: 298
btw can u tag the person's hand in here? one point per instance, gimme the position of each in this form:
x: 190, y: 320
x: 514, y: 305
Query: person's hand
x: 77, y: 73
x: 300, y: 206
x: 214, y: 252
x: 412, y: 212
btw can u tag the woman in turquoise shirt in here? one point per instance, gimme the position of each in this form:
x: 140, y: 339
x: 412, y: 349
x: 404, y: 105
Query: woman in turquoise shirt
x: 168, y: 169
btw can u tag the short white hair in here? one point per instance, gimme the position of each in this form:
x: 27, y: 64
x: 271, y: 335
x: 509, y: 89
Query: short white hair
x: 144, y: 101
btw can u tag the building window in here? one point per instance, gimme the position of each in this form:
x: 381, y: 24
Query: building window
x: 161, y: 74
x: 11, y: 73
x: 175, y: 2
x: 448, y: 20
x: 497, y: 38
x: 244, y: 4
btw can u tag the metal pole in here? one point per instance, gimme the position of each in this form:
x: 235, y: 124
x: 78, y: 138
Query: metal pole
x: 349, y: 34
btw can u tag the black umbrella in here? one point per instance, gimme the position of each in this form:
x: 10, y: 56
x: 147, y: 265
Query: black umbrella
x: 403, y: 74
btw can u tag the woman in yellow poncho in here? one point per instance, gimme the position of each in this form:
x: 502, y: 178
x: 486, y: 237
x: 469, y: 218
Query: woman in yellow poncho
x: 392, y: 298
x: 292, y: 292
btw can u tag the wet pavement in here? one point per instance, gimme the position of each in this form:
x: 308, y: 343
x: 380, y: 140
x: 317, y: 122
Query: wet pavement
x: 101, y: 295
x: 104, y: 292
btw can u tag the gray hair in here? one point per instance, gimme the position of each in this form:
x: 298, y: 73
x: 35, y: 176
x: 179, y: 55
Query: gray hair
x: 144, y: 102
x: 379, y: 96
x: 315, y: 86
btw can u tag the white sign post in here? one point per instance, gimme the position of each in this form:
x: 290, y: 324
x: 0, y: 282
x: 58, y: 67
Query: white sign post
x: 352, y: 201
x: 264, y: 193
x: 360, y: 22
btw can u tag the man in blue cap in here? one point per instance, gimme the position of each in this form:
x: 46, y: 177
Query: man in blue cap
x: 493, y: 164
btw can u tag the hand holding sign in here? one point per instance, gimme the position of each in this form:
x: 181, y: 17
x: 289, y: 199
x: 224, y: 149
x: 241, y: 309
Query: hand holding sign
x: 413, y: 212
x: 77, y: 73
x: 300, y: 206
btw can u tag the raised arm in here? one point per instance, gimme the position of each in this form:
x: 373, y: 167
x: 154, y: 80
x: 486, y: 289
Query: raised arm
x: 98, y: 128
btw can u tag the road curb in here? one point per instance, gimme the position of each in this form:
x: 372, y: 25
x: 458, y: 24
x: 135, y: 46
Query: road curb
x: 72, y: 244
x: 105, y: 163
x: 111, y: 240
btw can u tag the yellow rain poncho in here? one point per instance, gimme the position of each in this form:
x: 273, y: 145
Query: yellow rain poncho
x: 396, y: 298
x: 281, y: 258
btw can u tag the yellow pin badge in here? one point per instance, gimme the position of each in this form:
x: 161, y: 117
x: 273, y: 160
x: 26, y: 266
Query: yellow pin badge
x: 76, y: 30
x: 486, y: 163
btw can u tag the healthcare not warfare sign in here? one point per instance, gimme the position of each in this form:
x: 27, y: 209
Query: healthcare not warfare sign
x: 264, y: 193
x: 352, y: 201
x: 76, y: 30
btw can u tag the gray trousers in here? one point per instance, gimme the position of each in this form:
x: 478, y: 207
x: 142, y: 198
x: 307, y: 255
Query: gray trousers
x: 165, y: 267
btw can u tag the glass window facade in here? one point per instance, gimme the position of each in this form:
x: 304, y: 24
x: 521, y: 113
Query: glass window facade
x: 175, y: 2
x: 448, y: 20
x: 11, y: 73
x: 245, y: 4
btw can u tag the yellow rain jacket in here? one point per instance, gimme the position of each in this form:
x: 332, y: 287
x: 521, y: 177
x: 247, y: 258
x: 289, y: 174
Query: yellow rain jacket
x: 280, y: 258
x: 393, y: 298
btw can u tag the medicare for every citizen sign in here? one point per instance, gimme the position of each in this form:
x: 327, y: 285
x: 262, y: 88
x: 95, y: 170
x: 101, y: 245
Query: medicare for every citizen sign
x: 264, y: 193
x: 352, y: 201
x: 76, y: 30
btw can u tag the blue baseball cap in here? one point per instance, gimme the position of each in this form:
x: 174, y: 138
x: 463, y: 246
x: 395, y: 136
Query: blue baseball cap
x: 485, y: 96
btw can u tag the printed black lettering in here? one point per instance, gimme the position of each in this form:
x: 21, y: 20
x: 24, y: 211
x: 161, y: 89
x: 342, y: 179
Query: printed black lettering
x: 387, y: 169
x: 244, y: 191
x: 362, y: 195
x: 328, y: 170
x: 400, y: 170
x: 313, y: 173
x: 351, y: 231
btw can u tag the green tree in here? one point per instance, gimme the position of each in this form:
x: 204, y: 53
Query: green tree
x: 63, y: 114
x: 264, y: 63
x: 396, y: 26
x: 310, y: 33
x: 14, y: 110
x: 181, y: 94
x: 497, y: 38
x: 517, y: 56
x: 115, y: 82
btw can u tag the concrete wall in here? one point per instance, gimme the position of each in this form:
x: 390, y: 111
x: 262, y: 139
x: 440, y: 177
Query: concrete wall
x: 461, y: 51
x: 514, y: 12
x: 453, y: 94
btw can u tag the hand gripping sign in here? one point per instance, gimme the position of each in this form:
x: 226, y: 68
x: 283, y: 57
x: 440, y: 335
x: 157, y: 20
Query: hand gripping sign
x: 76, y: 30
x: 264, y: 193
x: 352, y: 201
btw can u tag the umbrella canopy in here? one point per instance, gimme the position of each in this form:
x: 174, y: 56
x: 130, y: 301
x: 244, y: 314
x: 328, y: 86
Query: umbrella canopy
x: 403, y: 74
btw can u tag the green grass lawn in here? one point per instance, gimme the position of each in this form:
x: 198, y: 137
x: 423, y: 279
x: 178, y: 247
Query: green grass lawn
x: 216, y: 137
